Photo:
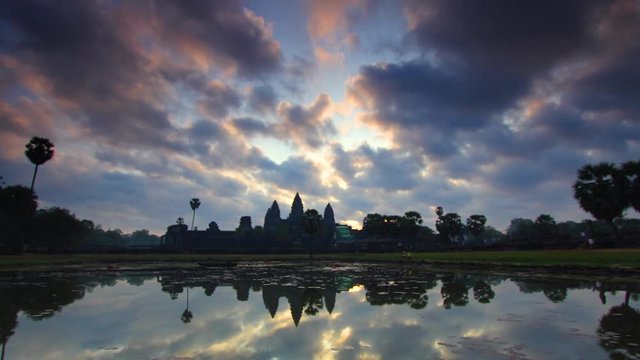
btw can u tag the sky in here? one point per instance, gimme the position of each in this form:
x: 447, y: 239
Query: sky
x: 374, y: 106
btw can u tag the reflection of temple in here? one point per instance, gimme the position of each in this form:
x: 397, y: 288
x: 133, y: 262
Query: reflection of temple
x: 309, y: 300
x: 278, y: 234
x: 307, y: 294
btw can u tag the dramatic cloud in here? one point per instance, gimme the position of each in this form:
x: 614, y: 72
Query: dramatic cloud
x: 224, y: 34
x: 306, y: 127
x: 482, y: 108
x: 502, y: 35
x: 418, y: 93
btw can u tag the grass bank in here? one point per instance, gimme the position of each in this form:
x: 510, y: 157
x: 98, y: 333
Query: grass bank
x: 613, y: 259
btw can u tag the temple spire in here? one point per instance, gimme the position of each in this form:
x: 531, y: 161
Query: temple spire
x: 297, y: 209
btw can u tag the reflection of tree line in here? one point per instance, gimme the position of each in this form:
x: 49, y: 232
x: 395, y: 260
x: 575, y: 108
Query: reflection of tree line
x: 41, y: 296
x: 309, y: 290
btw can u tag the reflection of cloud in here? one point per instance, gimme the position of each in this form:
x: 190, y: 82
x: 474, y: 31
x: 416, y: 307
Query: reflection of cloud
x: 331, y: 342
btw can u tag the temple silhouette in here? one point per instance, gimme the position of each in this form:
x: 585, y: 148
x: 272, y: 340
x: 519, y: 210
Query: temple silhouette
x: 276, y: 234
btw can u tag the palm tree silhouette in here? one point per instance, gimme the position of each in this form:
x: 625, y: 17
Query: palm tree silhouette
x: 601, y: 190
x: 311, y: 221
x: 195, y: 203
x: 39, y: 151
x: 187, y: 315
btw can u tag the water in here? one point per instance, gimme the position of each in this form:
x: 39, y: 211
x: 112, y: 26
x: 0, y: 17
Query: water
x: 324, y: 311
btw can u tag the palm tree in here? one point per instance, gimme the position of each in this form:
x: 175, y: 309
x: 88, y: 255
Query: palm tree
x: 39, y: 151
x: 602, y: 191
x: 195, y: 203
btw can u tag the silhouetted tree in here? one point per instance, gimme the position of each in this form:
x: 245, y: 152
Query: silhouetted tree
x: 545, y: 226
x: 55, y: 228
x: 311, y: 222
x: 143, y: 238
x: 194, y: 203
x: 409, y: 224
x: 373, y: 224
x: 603, y: 191
x: 476, y: 223
x: 449, y: 225
x: 491, y: 235
x: 180, y: 221
x: 520, y: 229
x: 39, y: 151
x: 213, y: 227
x: 17, y: 207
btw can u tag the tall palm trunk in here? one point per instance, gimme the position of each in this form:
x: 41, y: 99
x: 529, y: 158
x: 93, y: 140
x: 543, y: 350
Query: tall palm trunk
x: 33, y: 180
x: 193, y: 218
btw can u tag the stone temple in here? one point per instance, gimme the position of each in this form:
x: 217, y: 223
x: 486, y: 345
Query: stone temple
x: 277, y: 234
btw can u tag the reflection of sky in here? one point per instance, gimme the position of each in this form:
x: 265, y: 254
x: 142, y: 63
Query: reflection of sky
x: 128, y: 322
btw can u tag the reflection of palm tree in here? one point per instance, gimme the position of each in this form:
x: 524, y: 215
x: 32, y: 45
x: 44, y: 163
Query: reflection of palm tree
x: 194, y: 203
x: 619, y: 331
x: 39, y: 151
x: 9, y: 322
x: 187, y: 315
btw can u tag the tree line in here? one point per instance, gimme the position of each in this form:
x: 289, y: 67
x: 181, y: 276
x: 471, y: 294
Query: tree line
x: 56, y: 229
x: 26, y: 226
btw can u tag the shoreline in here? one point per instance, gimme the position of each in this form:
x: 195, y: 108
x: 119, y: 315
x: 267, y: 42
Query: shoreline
x: 618, y: 263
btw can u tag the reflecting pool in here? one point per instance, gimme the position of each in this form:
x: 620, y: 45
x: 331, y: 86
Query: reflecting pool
x: 316, y: 311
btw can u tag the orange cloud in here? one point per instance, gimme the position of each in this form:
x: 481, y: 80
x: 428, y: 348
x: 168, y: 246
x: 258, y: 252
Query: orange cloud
x: 329, y: 25
x: 327, y: 57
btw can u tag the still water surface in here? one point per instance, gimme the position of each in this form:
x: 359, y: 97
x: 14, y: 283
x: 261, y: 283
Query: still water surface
x: 320, y: 311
